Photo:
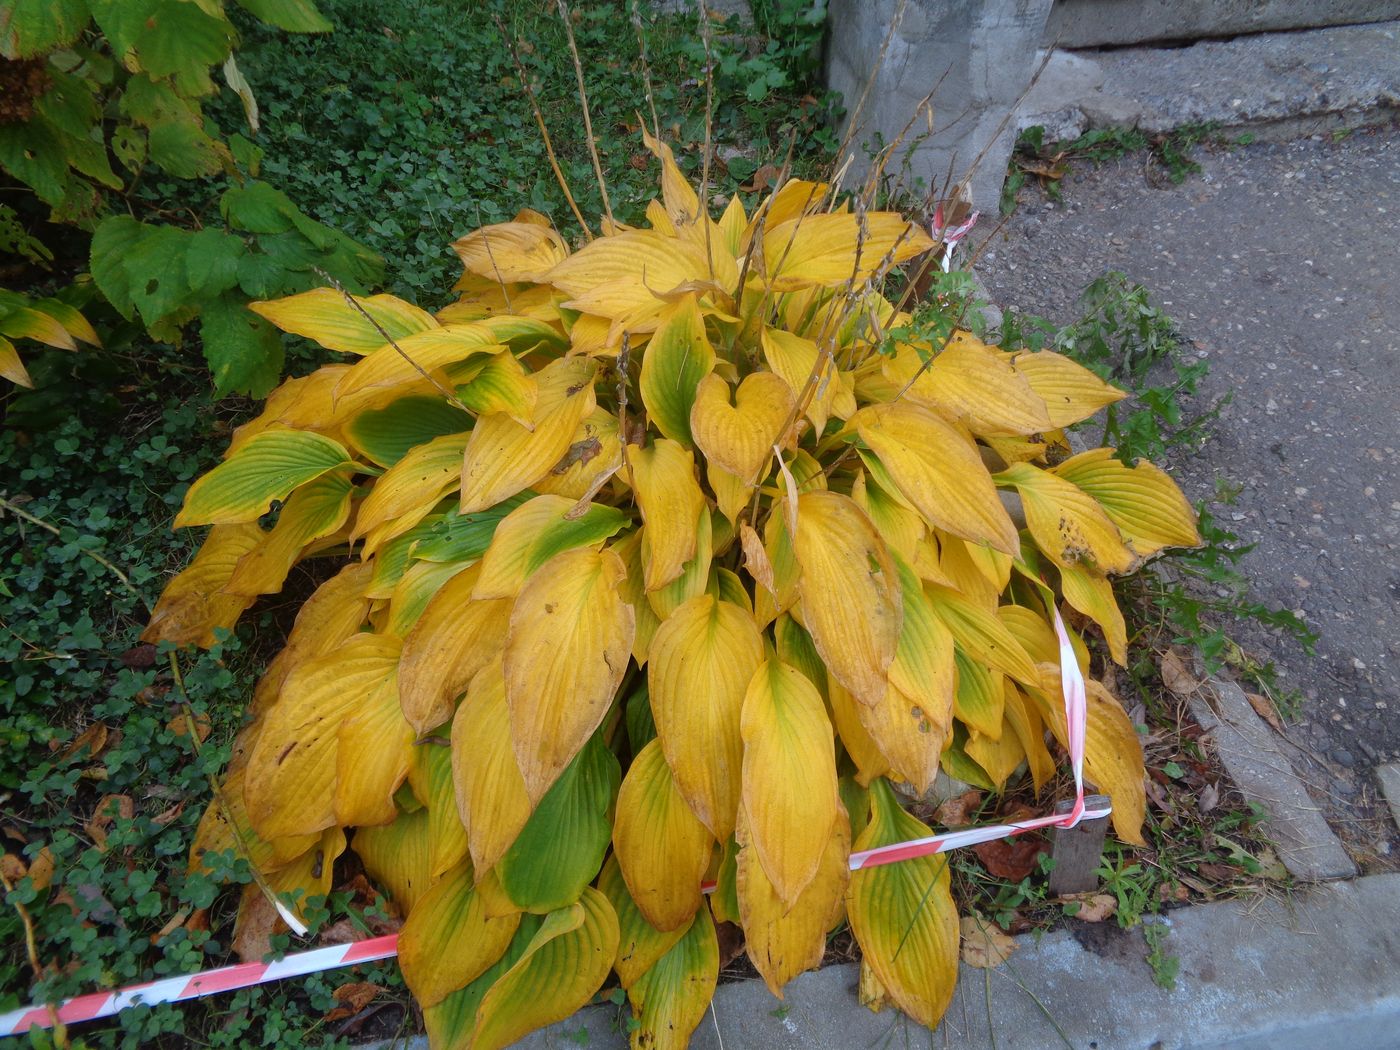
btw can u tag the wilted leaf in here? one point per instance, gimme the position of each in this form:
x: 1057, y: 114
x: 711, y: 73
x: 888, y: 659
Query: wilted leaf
x: 984, y: 945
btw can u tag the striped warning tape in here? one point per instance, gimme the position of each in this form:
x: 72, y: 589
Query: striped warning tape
x: 300, y: 964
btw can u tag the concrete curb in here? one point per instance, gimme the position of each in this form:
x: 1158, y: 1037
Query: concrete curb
x: 1320, y: 969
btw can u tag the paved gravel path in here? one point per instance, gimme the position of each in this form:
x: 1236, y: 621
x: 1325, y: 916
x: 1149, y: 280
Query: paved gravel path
x: 1279, y: 263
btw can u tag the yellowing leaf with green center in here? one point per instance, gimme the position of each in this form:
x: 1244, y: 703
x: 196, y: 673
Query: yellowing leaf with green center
x: 385, y: 435
x: 405, y: 493
x: 569, y: 643
x: 633, y: 591
x: 1092, y: 595
x: 836, y: 248
x: 565, y: 963
x: 1070, y: 391
x: 628, y: 277
x: 984, y: 637
x: 661, y: 846
x: 694, y: 579
x: 974, y: 385
x: 938, y: 470
x: 323, y: 316
x: 1067, y: 523
x: 1112, y: 754
x: 298, y: 780
x: 502, y: 385
x: 267, y: 468
x: 491, y: 795
x: 700, y: 664
x: 669, y: 1000
x: 315, y: 510
x: 676, y: 359
x: 507, y: 252
x: 418, y: 586
x: 899, y: 525
x: 789, y: 776
x: 903, y: 915
x: 850, y: 593
x: 430, y: 778
x: 640, y: 944
x: 786, y: 938
x: 454, y: 638
x: 663, y: 479
x: 403, y: 368
x: 794, y: 358
x: 536, y: 531
x: 1142, y: 500
x: 979, y: 701
x: 504, y: 457
x: 561, y: 846
x: 194, y: 603
x: 450, y: 1022
x: 739, y: 438
x: 449, y: 940
x: 397, y: 857
x: 11, y: 367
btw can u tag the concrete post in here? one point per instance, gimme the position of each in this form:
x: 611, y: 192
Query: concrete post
x: 983, y: 51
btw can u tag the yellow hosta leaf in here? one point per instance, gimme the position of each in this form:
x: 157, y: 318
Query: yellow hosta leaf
x: 1025, y: 722
x: 794, y: 358
x: 11, y: 367
x: 669, y: 1000
x: 640, y: 944
x: 1092, y: 595
x: 1112, y: 754
x: 694, y: 579
x: 332, y: 614
x: 676, y: 359
x: 974, y: 385
x: 329, y: 750
x: 536, y: 531
x: 323, y: 316
x: 454, y: 638
x: 569, y: 644
x: 25, y: 323
x: 405, y: 493
x: 401, y: 369
x: 732, y: 225
x: 502, y: 385
x: 938, y: 470
x: 398, y: 858
x: 739, y: 438
x: 681, y: 201
x: 850, y: 593
x: 430, y: 779
x: 295, y: 883
x: 984, y: 637
x: 491, y: 796
x: 835, y: 248
x: 701, y: 661
x: 999, y: 757
x: 269, y: 467
x: 194, y: 603
x: 633, y: 591
x: 225, y: 826
x: 1142, y: 500
x: 978, y: 704
x: 629, y: 277
x: 1028, y: 627
x: 415, y: 589
x: 903, y: 915
x: 504, y: 457
x: 796, y: 197
x: 1067, y: 523
x: 869, y: 760
x: 315, y: 510
x: 595, y: 450
x: 507, y: 252
x: 663, y: 478
x: 731, y: 494
x: 449, y: 939
x: 305, y: 403
x: 963, y: 570
x: 786, y: 938
x: 789, y: 776
x: 661, y: 846
x: 1070, y: 391
x: 563, y: 966
x: 899, y: 525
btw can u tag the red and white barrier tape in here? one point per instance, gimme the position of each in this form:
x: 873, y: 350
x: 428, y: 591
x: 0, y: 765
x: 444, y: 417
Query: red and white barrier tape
x: 300, y: 964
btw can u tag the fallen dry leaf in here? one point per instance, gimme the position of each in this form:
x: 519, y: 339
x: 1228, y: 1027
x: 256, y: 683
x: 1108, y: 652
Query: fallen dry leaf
x: 91, y: 740
x: 984, y: 945
x: 257, y: 922
x: 1011, y: 859
x: 869, y: 990
x: 13, y: 867
x: 1094, y: 907
x: 180, y: 726
x: 959, y: 812
x: 111, y: 808
x: 1175, y: 676
x: 353, y: 998
x: 140, y: 657
x: 1265, y: 709
x: 1168, y: 893
x: 41, y: 869
x: 172, y: 924
x: 1208, y: 799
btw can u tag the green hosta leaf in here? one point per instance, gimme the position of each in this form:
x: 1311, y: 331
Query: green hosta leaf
x: 465, y: 536
x: 676, y: 359
x: 295, y: 16
x: 560, y: 849
x: 244, y: 352
x: 267, y: 468
x: 34, y: 27
x: 385, y: 435
x: 958, y: 764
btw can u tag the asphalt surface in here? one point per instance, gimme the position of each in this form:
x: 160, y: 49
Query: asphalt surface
x: 1279, y: 263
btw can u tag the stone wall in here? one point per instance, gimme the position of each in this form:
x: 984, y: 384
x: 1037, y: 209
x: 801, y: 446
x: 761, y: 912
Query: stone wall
x: 1102, y: 23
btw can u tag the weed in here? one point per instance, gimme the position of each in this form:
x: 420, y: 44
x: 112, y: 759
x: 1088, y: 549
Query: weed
x: 1165, y: 968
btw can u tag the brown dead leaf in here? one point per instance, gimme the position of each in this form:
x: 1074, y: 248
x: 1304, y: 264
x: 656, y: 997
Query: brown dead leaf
x: 353, y: 998
x: 1208, y: 799
x: 1218, y: 872
x: 1168, y: 893
x: 172, y: 924
x: 638, y: 161
x: 1175, y: 676
x: 179, y: 725
x: 198, y: 922
x: 1011, y: 859
x: 731, y: 942
x: 140, y: 657
x: 984, y: 945
x: 110, y: 809
x: 762, y: 178
x: 959, y: 812
x: 90, y: 741
x: 41, y: 869
x: 166, y: 816
x: 13, y: 867
x: 1265, y: 709
x: 1094, y: 907
x: 257, y: 922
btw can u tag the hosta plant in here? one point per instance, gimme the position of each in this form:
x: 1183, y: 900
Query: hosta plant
x: 661, y: 562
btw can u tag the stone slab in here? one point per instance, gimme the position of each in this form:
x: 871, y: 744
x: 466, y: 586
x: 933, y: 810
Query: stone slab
x: 1099, y: 23
x: 1320, y: 969
x: 1257, y: 760
x: 1313, y: 77
x: 1388, y: 776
